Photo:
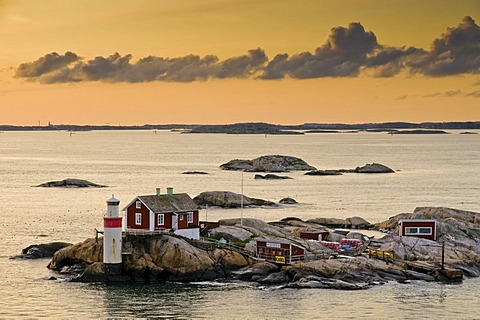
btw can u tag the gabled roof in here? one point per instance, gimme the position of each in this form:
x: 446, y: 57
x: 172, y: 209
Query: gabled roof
x: 178, y: 202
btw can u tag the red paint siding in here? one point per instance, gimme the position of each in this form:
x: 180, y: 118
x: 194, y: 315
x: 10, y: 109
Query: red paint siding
x: 131, y: 210
x: 167, y: 221
x: 291, y: 252
x: 184, y: 224
x: 419, y: 224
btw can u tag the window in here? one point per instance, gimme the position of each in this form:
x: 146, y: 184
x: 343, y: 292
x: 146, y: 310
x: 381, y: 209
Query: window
x: 181, y: 217
x: 425, y: 230
x: 161, y: 219
x: 138, y: 204
x: 189, y: 217
x: 138, y: 218
x: 417, y: 231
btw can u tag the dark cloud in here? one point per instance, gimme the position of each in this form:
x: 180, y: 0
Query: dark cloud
x: 474, y: 94
x: 346, y: 53
x: 342, y: 55
x: 45, y: 64
x: 118, y: 68
x: 402, y: 97
x: 457, y: 51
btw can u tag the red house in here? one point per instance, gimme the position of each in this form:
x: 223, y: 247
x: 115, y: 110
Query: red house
x: 420, y: 228
x: 176, y: 213
x: 279, y: 251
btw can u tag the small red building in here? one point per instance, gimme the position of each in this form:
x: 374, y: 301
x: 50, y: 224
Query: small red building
x: 279, y: 251
x: 420, y: 228
x: 177, y: 213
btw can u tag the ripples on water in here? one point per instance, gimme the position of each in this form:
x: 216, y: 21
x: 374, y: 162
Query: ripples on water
x: 441, y: 170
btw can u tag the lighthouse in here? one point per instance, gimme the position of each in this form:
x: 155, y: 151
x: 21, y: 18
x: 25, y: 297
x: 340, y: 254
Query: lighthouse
x: 112, y: 238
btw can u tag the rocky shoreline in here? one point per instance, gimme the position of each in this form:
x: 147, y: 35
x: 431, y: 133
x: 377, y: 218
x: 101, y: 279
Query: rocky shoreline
x: 165, y: 257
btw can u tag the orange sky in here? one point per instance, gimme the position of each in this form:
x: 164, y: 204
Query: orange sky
x: 31, y: 29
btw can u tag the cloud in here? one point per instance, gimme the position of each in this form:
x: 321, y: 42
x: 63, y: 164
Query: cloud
x: 474, y: 94
x: 402, y: 97
x: 342, y: 55
x: 347, y: 52
x: 118, y: 68
x: 457, y: 51
x: 48, y: 63
x: 452, y: 93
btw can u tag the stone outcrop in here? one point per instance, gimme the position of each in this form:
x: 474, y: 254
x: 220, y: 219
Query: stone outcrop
x: 227, y: 199
x: 154, y: 258
x: 71, y: 183
x: 39, y: 251
x: 368, y: 168
x: 271, y: 163
x: 374, y: 168
x: 288, y: 200
x: 173, y: 258
x: 270, y: 176
x: 323, y: 173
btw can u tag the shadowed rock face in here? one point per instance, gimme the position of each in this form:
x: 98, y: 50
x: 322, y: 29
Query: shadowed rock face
x: 227, y: 199
x: 71, y: 183
x: 374, y: 168
x: 38, y: 251
x: 270, y: 177
x: 153, y: 258
x: 274, y: 163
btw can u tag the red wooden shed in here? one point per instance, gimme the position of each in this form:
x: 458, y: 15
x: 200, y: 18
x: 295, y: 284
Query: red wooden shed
x: 420, y: 228
x: 279, y: 251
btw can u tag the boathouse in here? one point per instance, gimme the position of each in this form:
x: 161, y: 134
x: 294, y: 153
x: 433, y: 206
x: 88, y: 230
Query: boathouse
x: 420, y: 228
x: 158, y: 213
x: 279, y: 251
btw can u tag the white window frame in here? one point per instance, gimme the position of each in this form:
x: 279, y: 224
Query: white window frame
x: 415, y: 231
x: 161, y: 218
x: 138, y: 204
x: 189, y: 217
x: 181, y: 216
x: 138, y: 218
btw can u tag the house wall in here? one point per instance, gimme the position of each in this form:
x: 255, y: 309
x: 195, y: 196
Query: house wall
x: 131, y: 210
x: 192, y: 233
x: 167, y: 221
x: 183, y: 224
x: 419, y: 224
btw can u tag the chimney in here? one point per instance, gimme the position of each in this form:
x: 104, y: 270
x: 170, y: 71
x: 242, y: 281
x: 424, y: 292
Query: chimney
x: 170, y: 191
x: 158, y: 191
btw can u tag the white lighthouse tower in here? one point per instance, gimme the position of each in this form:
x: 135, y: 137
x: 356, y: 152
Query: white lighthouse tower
x: 112, y: 238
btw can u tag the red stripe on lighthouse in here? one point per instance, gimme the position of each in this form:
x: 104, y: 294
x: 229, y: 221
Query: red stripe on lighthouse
x: 112, y: 222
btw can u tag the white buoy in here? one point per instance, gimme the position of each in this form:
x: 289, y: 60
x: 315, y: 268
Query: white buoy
x: 112, y: 238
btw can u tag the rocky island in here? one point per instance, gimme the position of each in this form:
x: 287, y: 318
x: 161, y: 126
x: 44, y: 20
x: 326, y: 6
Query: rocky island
x: 269, y: 163
x: 71, y: 183
x: 165, y: 257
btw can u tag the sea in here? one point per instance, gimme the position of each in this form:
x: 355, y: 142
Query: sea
x: 430, y: 170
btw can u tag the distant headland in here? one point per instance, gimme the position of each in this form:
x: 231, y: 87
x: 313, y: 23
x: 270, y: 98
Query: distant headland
x: 264, y: 128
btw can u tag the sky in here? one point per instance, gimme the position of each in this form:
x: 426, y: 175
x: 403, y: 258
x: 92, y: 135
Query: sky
x: 140, y: 62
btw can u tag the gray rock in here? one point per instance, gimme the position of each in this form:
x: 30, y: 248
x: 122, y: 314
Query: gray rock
x: 323, y: 173
x: 274, y: 278
x: 270, y: 176
x: 39, y: 251
x: 374, y: 168
x: 227, y: 199
x: 230, y: 233
x: 357, y: 223
x: 271, y: 163
x: 288, y: 200
x: 329, y: 222
x: 71, y: 183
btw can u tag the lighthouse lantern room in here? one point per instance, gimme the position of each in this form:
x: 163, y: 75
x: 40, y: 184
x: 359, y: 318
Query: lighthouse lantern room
x: 112, y: 238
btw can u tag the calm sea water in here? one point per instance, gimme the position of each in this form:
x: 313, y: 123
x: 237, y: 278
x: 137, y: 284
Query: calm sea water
x: 432, y: 170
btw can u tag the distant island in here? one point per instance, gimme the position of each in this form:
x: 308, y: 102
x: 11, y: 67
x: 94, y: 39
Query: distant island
x: 260, y: 127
